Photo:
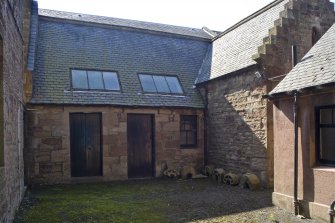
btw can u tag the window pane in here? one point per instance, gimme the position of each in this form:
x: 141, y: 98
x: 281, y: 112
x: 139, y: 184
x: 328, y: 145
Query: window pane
x: 191, y: 138
x: 188, y: 130
x: 326, y: 116
x: 111, y: 81
x: 161, y: 84
x: 95, y: 80
x: 187, y: 126
x: 327, y: 144
x: 147, y: 82
x: 183, y: 138
x: 174, y: 85
x: 79, y: 79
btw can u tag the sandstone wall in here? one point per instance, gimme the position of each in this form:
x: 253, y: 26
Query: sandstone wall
x: 295, y: 26
x: 48, y: 142
x: 240, y: 124
x: 236, y: 124
x: 11, y: 109
x: 315, y: 182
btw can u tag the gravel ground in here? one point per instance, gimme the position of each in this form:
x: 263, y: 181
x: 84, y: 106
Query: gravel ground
x: 206, y: 201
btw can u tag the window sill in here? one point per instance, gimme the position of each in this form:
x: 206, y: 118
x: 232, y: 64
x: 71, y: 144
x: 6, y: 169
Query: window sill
x: 188, y: 147
x: 324, y: 169
x: 163, y: 95
x: 92, y: 91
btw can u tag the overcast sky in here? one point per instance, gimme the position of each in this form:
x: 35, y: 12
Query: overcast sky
x: 215, y: 14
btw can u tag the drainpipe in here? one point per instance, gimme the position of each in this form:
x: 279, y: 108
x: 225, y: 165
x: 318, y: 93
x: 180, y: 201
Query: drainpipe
x: 332, y: 212
x: 205, y: 125
x: 295, y: 194
x: 295, y: 111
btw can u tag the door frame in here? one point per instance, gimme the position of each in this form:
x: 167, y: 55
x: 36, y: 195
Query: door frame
x: 101, y: 142
x: 153, y: 143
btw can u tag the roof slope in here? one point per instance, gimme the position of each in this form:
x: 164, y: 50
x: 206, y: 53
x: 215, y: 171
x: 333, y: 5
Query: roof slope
x: 63, y: 45
x: 233, y: 49
x: 126, y: 23
x: 316, y: 68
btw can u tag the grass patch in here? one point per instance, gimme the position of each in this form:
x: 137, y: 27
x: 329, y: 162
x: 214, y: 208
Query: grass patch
x: 112, y: 202
x: 157, y: 200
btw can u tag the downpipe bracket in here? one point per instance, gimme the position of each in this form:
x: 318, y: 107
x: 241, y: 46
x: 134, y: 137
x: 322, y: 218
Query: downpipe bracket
x: 332, y: 212
x: 296, y: 205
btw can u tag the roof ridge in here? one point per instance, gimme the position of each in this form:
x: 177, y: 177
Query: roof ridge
x: 248, y: 18
x: 107, y: 20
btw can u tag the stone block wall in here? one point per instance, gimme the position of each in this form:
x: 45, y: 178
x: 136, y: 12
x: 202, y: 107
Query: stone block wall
x: 240, y: 123
x: 48, y: 142
x: 11, y: 110
x: 236, y: 124
x: 295, y: 26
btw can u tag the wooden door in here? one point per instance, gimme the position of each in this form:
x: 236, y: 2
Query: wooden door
x: 85, y: 138
x: 140, y: 145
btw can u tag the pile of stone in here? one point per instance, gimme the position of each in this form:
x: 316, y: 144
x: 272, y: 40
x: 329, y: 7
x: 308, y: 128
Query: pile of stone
x: 247, y: 180
x: 186, y: 172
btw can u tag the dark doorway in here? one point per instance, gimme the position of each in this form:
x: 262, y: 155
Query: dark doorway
x: 85, y: 138
x: 140, y: 145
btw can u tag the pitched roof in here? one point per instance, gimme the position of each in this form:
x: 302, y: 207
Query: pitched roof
x: 63, y: 45
x: 126, y: 23
x: 233, y: 49
x: 316, y: 68
x: 33, y: 36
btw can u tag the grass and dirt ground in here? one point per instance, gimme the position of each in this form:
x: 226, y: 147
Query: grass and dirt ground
x: 158, y: 201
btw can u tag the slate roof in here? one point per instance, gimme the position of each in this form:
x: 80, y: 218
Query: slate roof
x: 126, y: 23
x: 316, y: 68
x: 233, y: 49
x: 62, y: 45
x: 33, y: 36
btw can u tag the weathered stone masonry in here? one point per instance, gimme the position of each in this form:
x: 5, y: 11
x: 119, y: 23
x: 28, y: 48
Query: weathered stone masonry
x: 237, y: 124
x: 240, y: 125
x: 49, y: 141
x: 12, y: 33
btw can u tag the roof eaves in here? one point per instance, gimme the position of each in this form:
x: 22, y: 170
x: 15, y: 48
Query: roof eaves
x: 275, y: 95
x: 243, y: 21
x: 242, y: 70
x: 118, y: 105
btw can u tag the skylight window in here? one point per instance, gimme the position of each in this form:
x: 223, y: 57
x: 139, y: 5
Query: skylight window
x: 160, y: 84
x: 95, y: 80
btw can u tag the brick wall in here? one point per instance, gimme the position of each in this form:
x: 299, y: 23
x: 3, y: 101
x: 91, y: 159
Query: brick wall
x: 11, y: 170
x: 48, y: 142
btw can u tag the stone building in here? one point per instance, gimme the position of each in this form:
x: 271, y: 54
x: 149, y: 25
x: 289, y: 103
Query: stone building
x: 244, y: 63
x: 313, y: 81
x: 232, y: 72
x: 108, y: 99
x: 14, y: 33
x: 112, y: 99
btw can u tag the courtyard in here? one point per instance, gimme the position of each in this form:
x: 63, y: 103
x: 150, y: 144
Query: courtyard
x: 155, y: 200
